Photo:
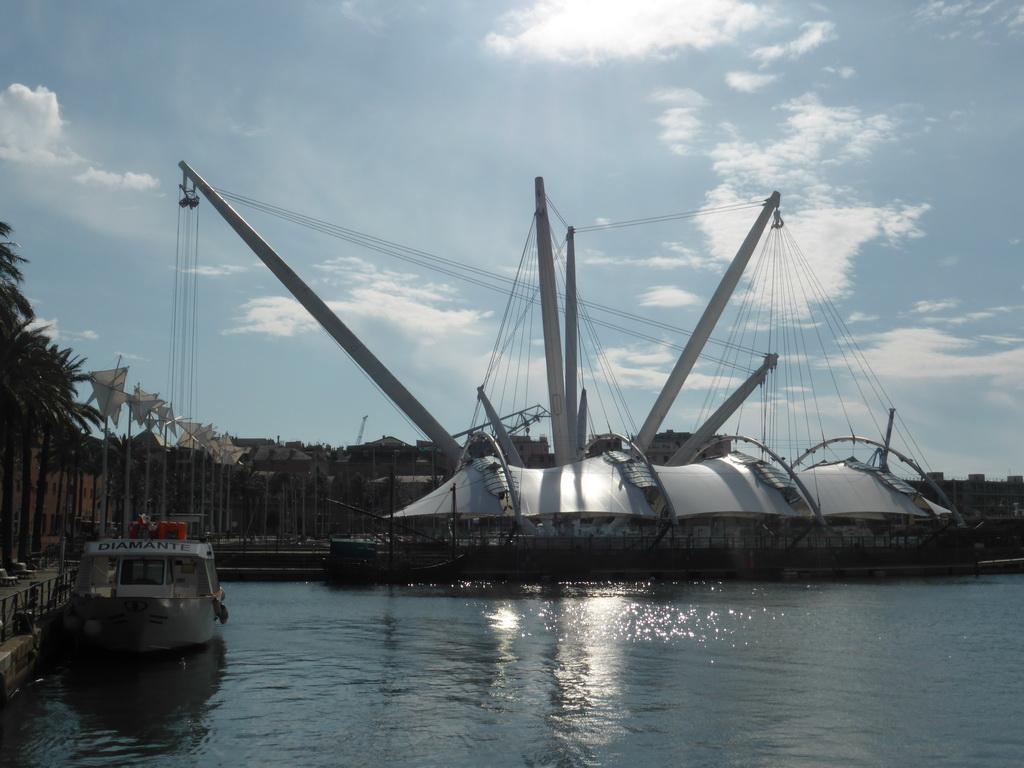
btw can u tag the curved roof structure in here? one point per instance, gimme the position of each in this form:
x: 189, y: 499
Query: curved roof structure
x: 481, y: 490
x: 586, y: 488
x: 851, y: 488
x: 726, y: 487
x: 615, y: 485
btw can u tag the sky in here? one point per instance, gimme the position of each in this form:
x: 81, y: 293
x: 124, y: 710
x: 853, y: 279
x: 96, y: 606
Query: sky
x: 892, y: 130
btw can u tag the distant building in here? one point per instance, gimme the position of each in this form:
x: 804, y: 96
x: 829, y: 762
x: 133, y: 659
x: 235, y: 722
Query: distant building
x: 976, y: 495
x: 665, y: 444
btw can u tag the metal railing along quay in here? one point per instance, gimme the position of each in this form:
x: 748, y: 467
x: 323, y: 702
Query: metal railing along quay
x: 21, y: 606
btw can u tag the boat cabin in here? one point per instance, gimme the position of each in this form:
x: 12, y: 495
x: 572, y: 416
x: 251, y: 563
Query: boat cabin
x: 147, y: 568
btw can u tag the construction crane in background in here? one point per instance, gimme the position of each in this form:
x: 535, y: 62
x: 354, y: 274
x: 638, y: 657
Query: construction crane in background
x: 362, y: 426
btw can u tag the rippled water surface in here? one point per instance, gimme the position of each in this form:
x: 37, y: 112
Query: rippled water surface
x: 922, y: 673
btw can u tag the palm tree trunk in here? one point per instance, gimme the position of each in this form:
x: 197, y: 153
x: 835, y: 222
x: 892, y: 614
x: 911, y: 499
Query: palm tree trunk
x: 24, y: 528
x: 44, y: 462
x: 7, y: 506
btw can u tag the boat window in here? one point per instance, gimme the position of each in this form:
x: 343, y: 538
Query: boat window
x: 142, y: 571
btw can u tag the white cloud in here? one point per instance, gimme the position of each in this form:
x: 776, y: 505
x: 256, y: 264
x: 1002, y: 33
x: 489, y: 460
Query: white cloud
x: 593, y: 31
x: 924, y: 307
x: 129, y: 180
x: 971, y: 18
x: 860, y: 317
x: 274, y: 316
x: 46, y: 327
x: 679, y: 256
x: 844, y: 72
x: 815, y: 33
x: 669, y: 296
x: 638, y: 367
x: 680, y: 123
x: 223, y: 269
x: 31, y: 128
x: 1003, y: 339
x: 926, y: 353
x: 412, y: 313
x: 816, y: 135
x: 402, y: 302
x: 828, y: 236
x: 409, y: 311
x: 748, y: 82
x: 32, y: 134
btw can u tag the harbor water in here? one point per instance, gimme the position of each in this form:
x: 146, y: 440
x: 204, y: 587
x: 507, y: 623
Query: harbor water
x: 871, y: 673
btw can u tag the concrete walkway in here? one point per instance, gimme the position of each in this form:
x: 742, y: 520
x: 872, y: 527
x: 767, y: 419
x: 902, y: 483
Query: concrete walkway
x: 37, y: 576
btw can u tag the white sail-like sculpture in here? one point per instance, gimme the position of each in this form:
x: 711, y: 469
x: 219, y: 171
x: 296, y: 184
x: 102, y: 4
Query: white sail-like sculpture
x: 614, y: 485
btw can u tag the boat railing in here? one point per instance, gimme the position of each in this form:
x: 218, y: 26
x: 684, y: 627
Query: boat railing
x: 20, y: 609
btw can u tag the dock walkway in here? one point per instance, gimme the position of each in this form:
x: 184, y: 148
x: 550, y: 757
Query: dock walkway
x: 30, y: 614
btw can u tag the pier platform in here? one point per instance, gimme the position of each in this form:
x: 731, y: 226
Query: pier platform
x: 30, y: 631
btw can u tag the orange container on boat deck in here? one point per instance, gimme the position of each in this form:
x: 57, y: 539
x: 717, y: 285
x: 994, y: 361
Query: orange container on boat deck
x: 171, y: 531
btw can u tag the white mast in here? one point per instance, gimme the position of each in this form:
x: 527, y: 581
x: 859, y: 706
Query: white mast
x: 330, y: 322
x: 502, y: 435
x: 688, y: 450
x: 552, y: 336
x: 707, y: 323
x: 571, y: 343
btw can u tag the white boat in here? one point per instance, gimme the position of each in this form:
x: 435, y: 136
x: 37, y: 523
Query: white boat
x: 146, y: 594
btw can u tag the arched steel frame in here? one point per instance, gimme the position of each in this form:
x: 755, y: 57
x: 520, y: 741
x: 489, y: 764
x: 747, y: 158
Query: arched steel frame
x: 808, y: 497
x: 647, y: 463
x: 899, y: 455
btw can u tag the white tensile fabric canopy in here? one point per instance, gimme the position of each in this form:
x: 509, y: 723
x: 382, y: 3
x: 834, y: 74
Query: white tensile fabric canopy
x: 594, y: 487
x: 582, y: 489
x: 588, y: 488
x: 472, y: 497
x: 842, y: 490
x: 721, y: 487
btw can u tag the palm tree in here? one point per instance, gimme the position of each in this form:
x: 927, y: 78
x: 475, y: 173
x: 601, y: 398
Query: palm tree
x: 21, y: 348
x: 59, y: 412
x: 13, y: 304
x: 37, y: 395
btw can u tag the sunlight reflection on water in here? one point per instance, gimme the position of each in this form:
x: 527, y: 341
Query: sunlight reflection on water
x: 562, y: 675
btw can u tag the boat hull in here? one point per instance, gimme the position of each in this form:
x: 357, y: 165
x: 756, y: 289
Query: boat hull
x: 142, y: 624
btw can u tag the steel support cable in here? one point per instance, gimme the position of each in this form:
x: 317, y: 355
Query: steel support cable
x: 615, y: 392
x: 805, y: 385
x: 172, y: 351
x: 514, y: 320
x: 454, y: 268
x: 754, y: 313
x: 604, y: 365
x: 814, y: 295
x: 429, y: 261
x: 583, y: 308
x: 795, y: 349
x: 671, y: 217
x: 849, y: 350
x: 182, y: 352
x: 608, y: 371
x: 371, y: 242
x: 791, y: 273
x: 518, y: 292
